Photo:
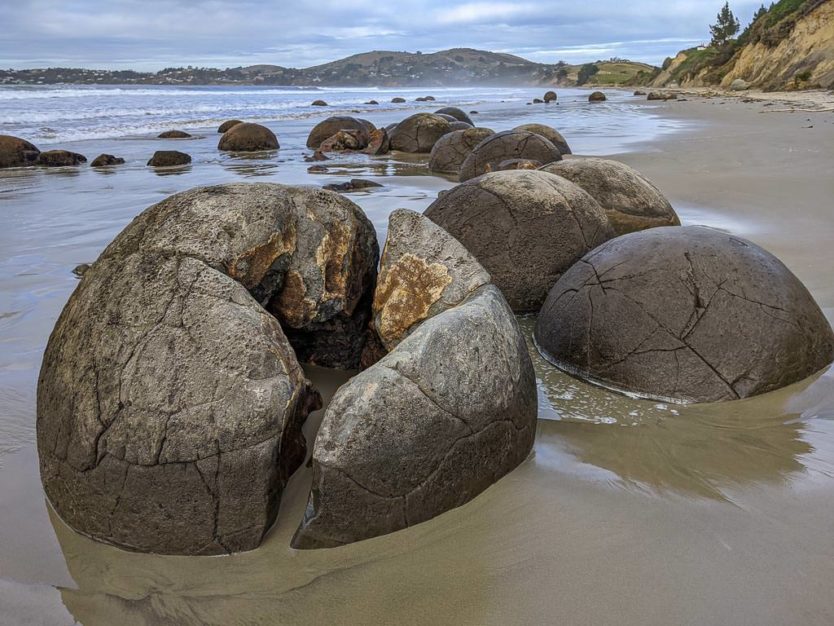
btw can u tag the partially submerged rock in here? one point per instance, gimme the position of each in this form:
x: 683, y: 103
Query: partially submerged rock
x: 597, y: 96
x: 510, y: 144
x: 318, y: 103
x: 549, y: 133
x: 170, y: 401
x: 451, y: 150
x: 550, y: 96
x: 427, y: 428
x: 398, y: 100
x: 686, y: 314
x: 344, y: 140
x: 174, y: 134
x: 16, y: 152
x: 227, y: 125
x: 631, y: 201
x: 525, y: 227
x: 60, y: 158
x: 456, y: 113
x: 354, y: 184
x: 332, y: 125
x: 169, y: 158
x: 106, y: 160
x: 418, y: 133
x: 247, y: 137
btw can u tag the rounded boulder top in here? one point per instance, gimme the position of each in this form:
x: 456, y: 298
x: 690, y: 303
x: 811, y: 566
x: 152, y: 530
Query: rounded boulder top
x: 248, y: 137
x: 451, y: 150
x: 419, y: 132
x: 456, y: 113
x: 685, y: 314
x: 549, y: 133
x: 509, y: 144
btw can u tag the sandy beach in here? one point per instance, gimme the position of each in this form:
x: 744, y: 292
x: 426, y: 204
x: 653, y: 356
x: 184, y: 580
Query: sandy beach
x: 628, y: 511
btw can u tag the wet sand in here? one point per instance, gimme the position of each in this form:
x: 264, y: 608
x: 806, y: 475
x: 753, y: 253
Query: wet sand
x: 628, y: 512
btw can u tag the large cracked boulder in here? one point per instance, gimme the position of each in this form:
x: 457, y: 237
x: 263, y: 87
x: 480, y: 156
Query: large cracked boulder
x: 16, y: 152
x: 248, y: 137
x: 631, y: 201
x: 687, y: 314
x: 451, y: 150
x: 549, y: 133
x: 525, y: 227
x: 418, y: 133
x: 332, y: 125
x: 456, y: 113
x: 428, y: 427
x: 509, y: 144
x: 171, y: 400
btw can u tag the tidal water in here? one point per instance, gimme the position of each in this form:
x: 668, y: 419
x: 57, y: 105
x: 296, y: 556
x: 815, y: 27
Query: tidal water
x: 629, y: 511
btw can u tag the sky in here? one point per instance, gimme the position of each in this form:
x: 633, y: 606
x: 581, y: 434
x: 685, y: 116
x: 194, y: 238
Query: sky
x: 149, y: 35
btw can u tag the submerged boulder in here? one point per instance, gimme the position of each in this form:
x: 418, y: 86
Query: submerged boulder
x: 170, y: 400
x: 456, y: 113
x: 525, y: 227
x: 510, y: 144
x: 332, y: 125
x: 550, y: 96
x: 60, y: 158
x: 427, y: 428
x: 630, y: 200
x: 549, y: 133
x: 16, y: 152
x: 419, y: 132
x: 685, y: 314
x: 597, y: 96
x: 169, y: 158
x: 247, y: 137
x: 106, y: 160
x: 227, y: 125
x: 174, y: 134
x: 451, y: 150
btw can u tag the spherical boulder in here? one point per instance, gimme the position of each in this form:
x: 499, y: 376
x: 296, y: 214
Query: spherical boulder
x: 525, y: 227
x: 456, y: 113
x: 428, y: 427
x: 227, y: 125
x: 106, y: 160
x: 16, y: 152
x: 318, y: 103
x: 597, y: 96
x: 509, y: 144
x: 453, y: 126
x: 60, y: 158
x: 169, y: 158
x: 451, y: 150
x: 332, y: 125
x: 418, y: 133
x: 549, y: 133
x: 248, y: 137
x: 398, y: 100
x: 174, y: 134
x: 171, y: 399
x: 687, y: 314
x: 631, y: 201
x: 550, y: 96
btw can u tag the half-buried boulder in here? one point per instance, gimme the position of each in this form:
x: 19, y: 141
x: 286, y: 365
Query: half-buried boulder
x: 169, y: 158
x: 227, y: 125
x: 549, y: 133
x: 107, y: 160
x: 16, y: 152
x: 525, y: 227
x: 630, y: 200
x: 247, y: 137
x: 509, y: 144
x: 418, y: 133
x: 428, y: 427
x: 60, y: 158
x: 170, y: 400
x: 550, y: 96
x: 456, y: 113
x: 332, y: 125
x: 597, y: 96
x: 451, y: 150
x: 174, y: 134
x: 686, y: 314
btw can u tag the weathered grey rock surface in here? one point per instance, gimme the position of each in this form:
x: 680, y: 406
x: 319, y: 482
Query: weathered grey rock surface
x: 525, y: 227
x: 247, y: 137
x: 549, y: 133
x: 456, y: 113
x: 428, y: 427
x: 509, y: 144
x: 418, y: 133
x: 170, y: 401
x: 631, y: 201
x: 332, y: 125
x: 451, y: 150
x: 16, y: 152
x: 688, y: 314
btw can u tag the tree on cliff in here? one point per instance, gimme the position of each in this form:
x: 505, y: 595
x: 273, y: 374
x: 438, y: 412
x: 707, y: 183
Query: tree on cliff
x: 726, y: 26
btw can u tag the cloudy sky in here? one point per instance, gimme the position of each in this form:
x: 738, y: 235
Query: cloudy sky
x: 152, y: 34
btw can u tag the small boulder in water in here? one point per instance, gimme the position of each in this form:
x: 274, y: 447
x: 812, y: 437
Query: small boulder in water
x: 318, y: 103
x: 106, y: 160
x: 354, y: 184
x: 169, y: 158
x: 550, y: 96
x: 398, y: 100
x: 60, y: 158
x: 247, y: 137
x: 174, y: 134
x: 597, y: 96
x: 16, y: 152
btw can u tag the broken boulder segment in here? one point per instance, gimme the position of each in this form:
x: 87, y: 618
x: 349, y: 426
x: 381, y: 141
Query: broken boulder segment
x: 428, y: 427
x: 332, y: 125
x: 684, y: 314
x: 170, y: 400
